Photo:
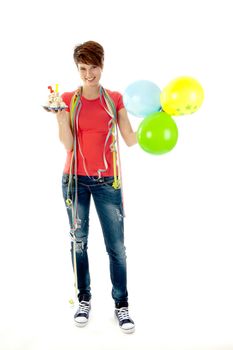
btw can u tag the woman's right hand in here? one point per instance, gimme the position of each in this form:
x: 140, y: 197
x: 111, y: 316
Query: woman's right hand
x: 62, y: 116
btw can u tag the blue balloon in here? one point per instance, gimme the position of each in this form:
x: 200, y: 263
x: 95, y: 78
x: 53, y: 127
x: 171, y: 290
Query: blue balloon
x: 142, y: 98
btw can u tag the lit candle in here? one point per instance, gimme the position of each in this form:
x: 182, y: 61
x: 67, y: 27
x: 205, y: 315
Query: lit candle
x: 56, y: 87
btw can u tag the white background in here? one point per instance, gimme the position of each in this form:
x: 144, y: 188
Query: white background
x: 178, y: 206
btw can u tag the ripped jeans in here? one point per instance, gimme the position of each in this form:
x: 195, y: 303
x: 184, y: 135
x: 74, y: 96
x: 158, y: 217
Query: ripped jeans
x: 108, y: 203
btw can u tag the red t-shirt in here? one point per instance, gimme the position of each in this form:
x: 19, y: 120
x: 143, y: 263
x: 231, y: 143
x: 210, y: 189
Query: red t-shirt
x: 92, y: 131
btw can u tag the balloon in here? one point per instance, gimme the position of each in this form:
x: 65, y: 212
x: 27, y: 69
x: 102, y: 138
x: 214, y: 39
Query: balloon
x: 142, y: 98
x: 183, y: 95
x: 157, y: 133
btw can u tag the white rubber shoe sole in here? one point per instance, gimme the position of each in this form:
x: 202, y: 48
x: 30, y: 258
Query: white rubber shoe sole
x: 81, y: 321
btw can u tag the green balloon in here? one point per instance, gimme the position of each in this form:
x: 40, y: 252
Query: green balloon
x: 157, y: 133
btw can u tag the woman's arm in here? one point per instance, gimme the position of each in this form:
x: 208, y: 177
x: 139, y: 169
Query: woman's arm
x: 125, y: 127
x: 65, y: 133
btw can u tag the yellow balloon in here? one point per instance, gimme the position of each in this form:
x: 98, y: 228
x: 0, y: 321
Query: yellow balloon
x: 183, y: 95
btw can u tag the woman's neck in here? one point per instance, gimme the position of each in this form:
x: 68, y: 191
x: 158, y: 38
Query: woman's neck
x: 90, y: 92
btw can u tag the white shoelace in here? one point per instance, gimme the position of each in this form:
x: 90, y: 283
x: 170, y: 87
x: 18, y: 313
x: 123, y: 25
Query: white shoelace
x: 84, y: 307
x: 123, y: 313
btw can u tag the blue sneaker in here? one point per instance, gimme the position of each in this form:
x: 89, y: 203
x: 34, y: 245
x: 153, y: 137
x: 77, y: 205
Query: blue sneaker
x: 82, y: 315
x: 125, y: 322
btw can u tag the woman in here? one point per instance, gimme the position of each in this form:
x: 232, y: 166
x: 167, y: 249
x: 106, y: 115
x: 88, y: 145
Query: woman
x: 88, y: 130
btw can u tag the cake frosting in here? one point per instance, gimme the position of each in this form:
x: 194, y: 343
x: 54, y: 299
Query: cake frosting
x: 54, y: 100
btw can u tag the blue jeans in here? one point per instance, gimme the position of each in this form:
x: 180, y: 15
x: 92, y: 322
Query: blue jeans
x: 108, y: 203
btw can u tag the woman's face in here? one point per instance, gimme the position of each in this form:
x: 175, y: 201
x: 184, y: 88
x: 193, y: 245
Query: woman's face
x: 90, y: 74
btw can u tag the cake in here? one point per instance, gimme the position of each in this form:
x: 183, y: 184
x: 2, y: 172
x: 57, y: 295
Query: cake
x: 54, y: 101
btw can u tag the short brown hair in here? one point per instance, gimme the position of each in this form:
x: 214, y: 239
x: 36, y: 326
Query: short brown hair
x: 89, y: 52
